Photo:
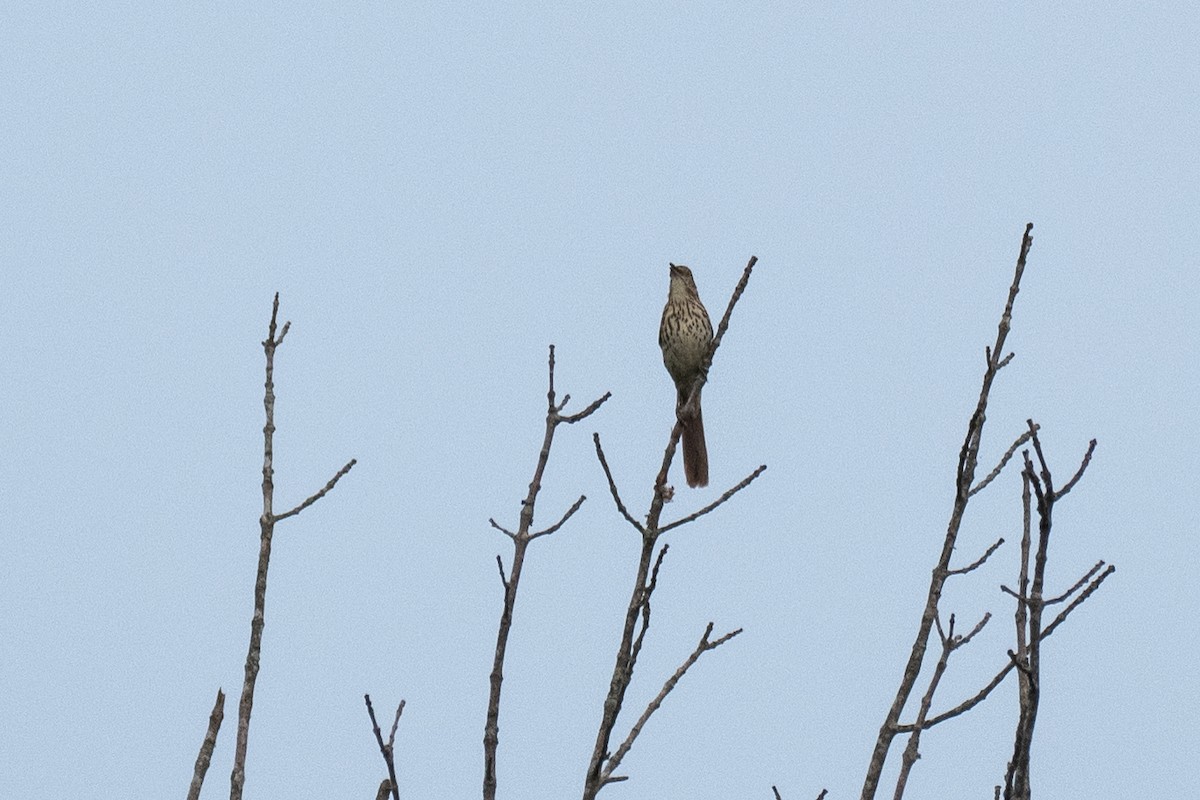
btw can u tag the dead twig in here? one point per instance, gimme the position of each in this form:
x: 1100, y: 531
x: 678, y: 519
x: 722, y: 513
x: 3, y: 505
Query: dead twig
x: 1004, y: 459
x: 521, y: 538
x: 703, y: 647
x: 318, y: 495
x: 387, y: 749
x: 968, y: 461
x: 267, y: 531
x: 562, y: 520
x: 650, y: 587
x: 1075, y: 587
x: 950, y: 643
x: 999, y: 677
x: 716, y: 503
x: 612, y: 485
x: 204, y: 758
x: 977, y: 563
x: 1030, y: 607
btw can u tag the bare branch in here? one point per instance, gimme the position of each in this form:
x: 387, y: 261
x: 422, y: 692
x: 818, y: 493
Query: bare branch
x: 612, y: 486
x: 733, y: 299
x: 978, y: 627
x: 622, y: 673
x: 503, y: 577
x: 570, y: 511
x: 968, y: 461
x: 272, y: 340
x: 388, y: 750
x: 1020, y: 612
x: 713, y: 505
x: 384, y: 791
x: 982, y: 694
x: 550, y: 390
x: 521, y: 539
x: 1087, y: 459
x: 1027, y: 659
x: 704, y: 646
x: 664, y: 492
x: 966, y: 705
x: 950, y: 642
x: 977, y: 563
x: 650, y: 587
x: 1019, y: 664
x: 1087, y: 576
x: 1047, y: 482
x: 937, y: 620
x: 395, y: 725
x: 204, y: 758
x: 324, y: 491
x: 1004, y: 459
x: 266, y: 522
x: 555, y: 410
x: 571, y: 419
x: 501, y: 528
x: 1035, y: 482
x: 1092, y: 587
x: 688, y: 407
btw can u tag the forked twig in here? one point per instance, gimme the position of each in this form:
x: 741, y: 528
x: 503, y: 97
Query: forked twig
x: 950, y: 643
x: 646, y: 596
x: 714, y: 504
x: 267, y: 522
x: 999, y: 677
x: 388, y: 749
x: 521, y: 537
x: 704, y: 646
x: 968, y: 462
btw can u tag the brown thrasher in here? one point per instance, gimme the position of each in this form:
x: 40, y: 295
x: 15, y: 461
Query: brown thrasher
x: 684, y: 336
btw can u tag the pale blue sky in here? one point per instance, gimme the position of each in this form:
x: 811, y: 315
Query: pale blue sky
x: 438, y: 194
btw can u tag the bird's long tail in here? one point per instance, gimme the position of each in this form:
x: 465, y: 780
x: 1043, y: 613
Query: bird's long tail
x: 695, y: 451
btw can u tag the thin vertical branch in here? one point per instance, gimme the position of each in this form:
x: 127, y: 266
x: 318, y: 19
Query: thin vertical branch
x: 623, y: 669
x: 1027, y: 658
x: 204, y: 758
x: 1023, y: 574
x: 912, y: 750
x: 968, y: 460
x: 267, y: 531
x: 521, y: 539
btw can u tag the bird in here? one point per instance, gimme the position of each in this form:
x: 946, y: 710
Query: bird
x: 685, y: 335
